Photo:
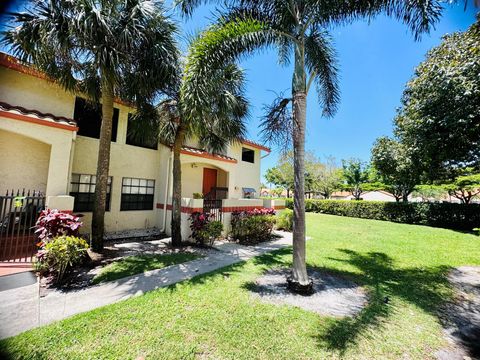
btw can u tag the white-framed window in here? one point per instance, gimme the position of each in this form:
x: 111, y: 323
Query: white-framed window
x: 137, y: 194
x: 82, y: 188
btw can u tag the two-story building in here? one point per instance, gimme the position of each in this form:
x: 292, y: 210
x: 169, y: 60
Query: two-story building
x: 49, y: 143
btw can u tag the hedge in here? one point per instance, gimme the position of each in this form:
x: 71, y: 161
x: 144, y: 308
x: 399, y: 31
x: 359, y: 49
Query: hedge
x: 445, y: 215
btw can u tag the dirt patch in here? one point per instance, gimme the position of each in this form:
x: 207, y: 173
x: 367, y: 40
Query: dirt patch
x: 334, y: 296
x: 461, y: 317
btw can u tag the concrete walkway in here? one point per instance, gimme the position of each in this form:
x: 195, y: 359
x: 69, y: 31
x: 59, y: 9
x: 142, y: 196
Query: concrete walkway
x: 22, y: 309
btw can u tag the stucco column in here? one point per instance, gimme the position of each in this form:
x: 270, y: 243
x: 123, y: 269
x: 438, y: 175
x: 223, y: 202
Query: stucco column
x: 59, y: 168
x: 231, y: 185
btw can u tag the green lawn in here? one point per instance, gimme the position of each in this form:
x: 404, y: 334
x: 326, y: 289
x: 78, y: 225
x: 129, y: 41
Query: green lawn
x: 132, y: 265
x: 214, y: 317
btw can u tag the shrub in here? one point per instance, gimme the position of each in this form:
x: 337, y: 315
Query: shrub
x: 445, y: 215
x: 52, y: 223
x: 285, y: 220
x: 252, y: 227
x: 204, y: 230
x: 60, y: 255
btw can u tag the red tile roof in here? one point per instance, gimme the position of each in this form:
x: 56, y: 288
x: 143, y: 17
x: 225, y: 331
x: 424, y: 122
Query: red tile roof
x: 30, y: 112
x: 36, y: 117
x: 11, y: 62
x: 187, y: 150
x: 255, y: 145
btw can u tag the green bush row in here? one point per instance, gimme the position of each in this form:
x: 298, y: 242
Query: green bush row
x: 285, y: 220
x: 445, y: 215
x: 252, y: 227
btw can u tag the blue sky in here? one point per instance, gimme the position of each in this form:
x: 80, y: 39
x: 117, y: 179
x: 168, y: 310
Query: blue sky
x: 375, y: 59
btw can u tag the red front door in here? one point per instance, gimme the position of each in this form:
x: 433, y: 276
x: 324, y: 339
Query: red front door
x: 209, y: 180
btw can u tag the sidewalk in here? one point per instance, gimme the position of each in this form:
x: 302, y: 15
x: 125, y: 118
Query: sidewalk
x: 22, y: 309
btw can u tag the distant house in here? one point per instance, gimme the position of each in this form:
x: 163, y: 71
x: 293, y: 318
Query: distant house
x: 378, y: 195
x: 340, y: 195
x: 265, y: 192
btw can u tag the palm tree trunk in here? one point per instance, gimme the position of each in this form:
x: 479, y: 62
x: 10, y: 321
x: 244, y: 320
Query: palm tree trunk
x: 177, y: 189
x: 103, y: 162
x: 299, y: 281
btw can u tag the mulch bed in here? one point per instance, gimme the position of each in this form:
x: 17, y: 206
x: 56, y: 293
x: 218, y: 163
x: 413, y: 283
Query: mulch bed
x: 461, y: 317
x: 333, y: 296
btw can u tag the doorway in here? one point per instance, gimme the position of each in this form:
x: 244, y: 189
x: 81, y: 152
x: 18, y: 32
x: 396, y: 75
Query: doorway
x: 209, y: 180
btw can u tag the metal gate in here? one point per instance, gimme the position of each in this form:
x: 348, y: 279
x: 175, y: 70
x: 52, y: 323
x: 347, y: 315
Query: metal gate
x: 18, y: 213
x: 213, y: 207
x: 212, y: 202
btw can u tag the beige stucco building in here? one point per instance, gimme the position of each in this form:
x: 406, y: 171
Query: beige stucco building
x: 49, y: 143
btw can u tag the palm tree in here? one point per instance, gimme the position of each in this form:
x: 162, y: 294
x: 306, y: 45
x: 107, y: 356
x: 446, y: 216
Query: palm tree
x: 296, y: 28
x: 215, y: 121
x: 102, y: 49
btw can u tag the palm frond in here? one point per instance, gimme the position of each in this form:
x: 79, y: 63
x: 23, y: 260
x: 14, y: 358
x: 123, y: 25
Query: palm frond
x: 277, y: 123
x: 144, y: 125
x: 321, y: 62
x: 221, y: 121
x: 130, y: 43
x: 216, y: 48
x: 418, y: 15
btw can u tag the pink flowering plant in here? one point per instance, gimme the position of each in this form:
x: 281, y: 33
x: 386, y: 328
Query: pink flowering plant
x: 205, y: 231
x: 252, y: 226
x: 53, y: 223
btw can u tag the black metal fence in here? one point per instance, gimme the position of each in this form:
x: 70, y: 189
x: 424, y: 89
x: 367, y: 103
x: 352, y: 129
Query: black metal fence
x: 18, y: 213
x: 214, y: 207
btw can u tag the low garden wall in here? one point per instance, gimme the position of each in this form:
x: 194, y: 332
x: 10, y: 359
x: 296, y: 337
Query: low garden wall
x: 445, y: 215
x: 190, y: 206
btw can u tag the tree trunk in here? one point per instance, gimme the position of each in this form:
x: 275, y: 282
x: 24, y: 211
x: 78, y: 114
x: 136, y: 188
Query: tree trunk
x: 288, y: 193
x: 177, y: 189
x: 103, y: 162
x: 299, y: 280
x: 356, y: 194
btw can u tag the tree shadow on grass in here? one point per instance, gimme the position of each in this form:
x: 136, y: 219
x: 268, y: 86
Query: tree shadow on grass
x: 426, y: 288
x: 274, y: 258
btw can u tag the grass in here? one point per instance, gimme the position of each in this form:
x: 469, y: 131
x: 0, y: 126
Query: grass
x: 213, y: 316
x: 132, y: 265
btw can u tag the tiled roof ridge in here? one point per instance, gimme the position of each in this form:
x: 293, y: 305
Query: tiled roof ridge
x: 255, y: 144
x: 203, y: 151
x: 39, y: 114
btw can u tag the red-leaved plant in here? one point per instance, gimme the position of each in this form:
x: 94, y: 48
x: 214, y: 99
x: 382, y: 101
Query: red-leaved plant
x: 198, y: 221
x: 53, y: 223
x: 205, y: 231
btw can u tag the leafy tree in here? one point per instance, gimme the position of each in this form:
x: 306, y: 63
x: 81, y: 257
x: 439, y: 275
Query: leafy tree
x: 399, y: 171
x: 102, y: 49
x: 465, y: 188
x: 281, y: 177
x: 282, y: 174
x: 327, y: 177
x: 429, y: 192
x: 440, y: 112
x: 277, y: 192
x: 298, y: 29
x: 216, y: 122
x: 356, y: 175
